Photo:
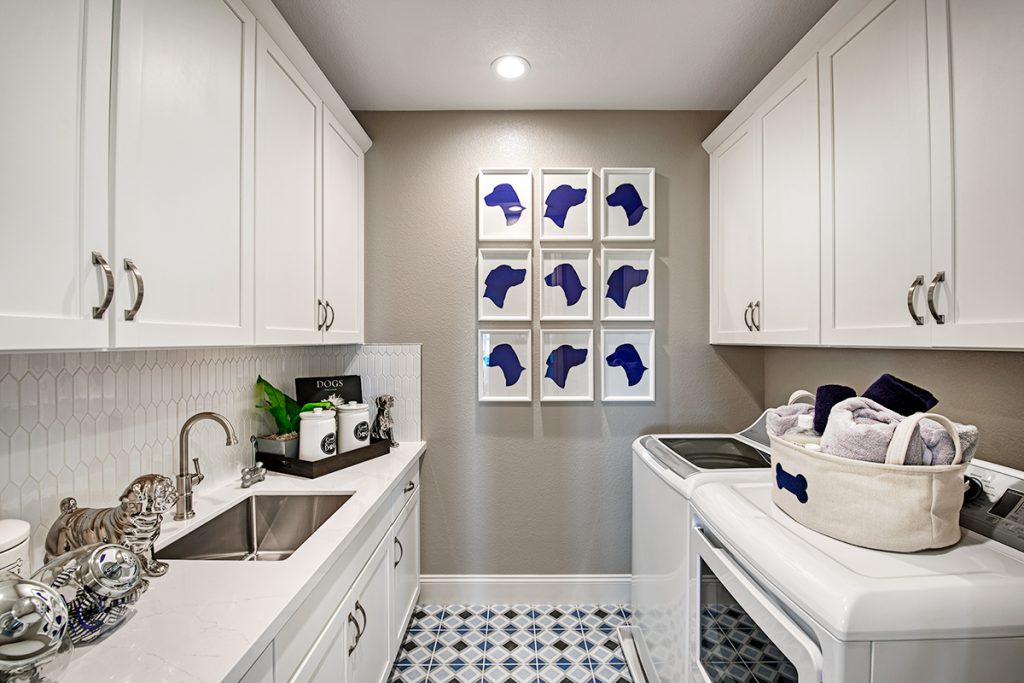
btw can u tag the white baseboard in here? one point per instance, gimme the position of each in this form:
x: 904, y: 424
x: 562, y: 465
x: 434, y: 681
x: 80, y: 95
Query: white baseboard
x: 535, y: 589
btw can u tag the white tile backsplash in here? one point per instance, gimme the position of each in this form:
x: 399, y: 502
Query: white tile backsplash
x: 85, y: 424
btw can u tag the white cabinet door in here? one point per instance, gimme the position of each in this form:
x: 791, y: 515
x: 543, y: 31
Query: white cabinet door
x: 342, y: 234
x: 183, y: 172
x: 977, y: 100
x: 405, y: 562
x: 370, y: 660
x: 55, y: 80
x: 736, y: 236
x: 288, y: 279
x: 876, y: 227
x: 789, y: 147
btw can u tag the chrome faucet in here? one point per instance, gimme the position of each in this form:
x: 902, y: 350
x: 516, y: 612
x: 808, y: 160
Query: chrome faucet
x: 186, y: 480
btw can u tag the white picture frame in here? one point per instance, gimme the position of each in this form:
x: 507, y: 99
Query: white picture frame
x: 560, y: 275
x: 627, y: 204
x: 624, y: 297
x: 565, y: 215
x: 505, y: 195
x: 494, y: 374
x: 620, y: 366
x: 504, y: 284
x: 565, y: 373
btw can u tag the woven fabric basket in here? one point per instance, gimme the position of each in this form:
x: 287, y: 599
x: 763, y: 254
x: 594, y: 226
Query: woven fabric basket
x: 890, y: 506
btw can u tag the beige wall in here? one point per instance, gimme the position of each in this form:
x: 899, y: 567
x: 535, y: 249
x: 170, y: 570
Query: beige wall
x: 536, y: 489
x: 979, y: 387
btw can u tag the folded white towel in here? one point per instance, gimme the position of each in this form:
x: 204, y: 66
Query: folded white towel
x: 783, y: 420
x: 861, y: 429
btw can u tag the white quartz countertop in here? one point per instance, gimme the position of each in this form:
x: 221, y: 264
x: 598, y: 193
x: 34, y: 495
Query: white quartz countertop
x: 210, y: 620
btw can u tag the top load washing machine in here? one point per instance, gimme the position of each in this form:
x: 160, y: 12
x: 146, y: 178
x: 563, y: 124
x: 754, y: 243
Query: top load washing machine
x: 667, y: 469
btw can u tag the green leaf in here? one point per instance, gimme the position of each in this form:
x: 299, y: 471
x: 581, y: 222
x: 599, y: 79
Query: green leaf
x: 283, y: 408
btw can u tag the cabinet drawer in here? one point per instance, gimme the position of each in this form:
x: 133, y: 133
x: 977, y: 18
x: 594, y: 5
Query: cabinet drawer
x: 407, y: 487
x: 304, y: 628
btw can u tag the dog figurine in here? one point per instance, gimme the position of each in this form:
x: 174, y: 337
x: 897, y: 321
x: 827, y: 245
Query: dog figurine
x: 134, y: 524
x: 383, y: 425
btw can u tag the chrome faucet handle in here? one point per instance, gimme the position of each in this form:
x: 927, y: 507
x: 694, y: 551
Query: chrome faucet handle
x: 198, y: 477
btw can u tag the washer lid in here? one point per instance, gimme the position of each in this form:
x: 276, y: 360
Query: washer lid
x: 972, y: 589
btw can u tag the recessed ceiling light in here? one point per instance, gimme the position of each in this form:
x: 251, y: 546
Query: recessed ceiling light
x: 510, y: 66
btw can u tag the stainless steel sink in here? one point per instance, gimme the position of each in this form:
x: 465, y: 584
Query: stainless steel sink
x: 261, y: 528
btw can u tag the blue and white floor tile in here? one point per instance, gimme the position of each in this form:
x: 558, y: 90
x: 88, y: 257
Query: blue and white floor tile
x: 513, y: 644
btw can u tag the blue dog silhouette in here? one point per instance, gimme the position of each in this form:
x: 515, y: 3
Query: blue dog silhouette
x: 794, y: 483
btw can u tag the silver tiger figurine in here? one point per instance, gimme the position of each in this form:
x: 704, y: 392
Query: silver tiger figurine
x: 134, y: 524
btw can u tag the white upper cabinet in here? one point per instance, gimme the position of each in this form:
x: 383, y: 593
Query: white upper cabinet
x: 183, y: 186
x: 977, y: 100
x: 789, y: 307
x: 136, y: 211
x: 764, y: 218
x: 342, y: 259
x: 736, y: 236
x: 55, y: 80
x: 289, y: 300
x: 876, y: 227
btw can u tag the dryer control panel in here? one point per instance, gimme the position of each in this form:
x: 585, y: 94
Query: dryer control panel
x: 994, y: 506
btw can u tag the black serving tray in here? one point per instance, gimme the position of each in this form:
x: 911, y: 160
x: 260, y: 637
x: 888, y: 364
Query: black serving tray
x: 312, y: 470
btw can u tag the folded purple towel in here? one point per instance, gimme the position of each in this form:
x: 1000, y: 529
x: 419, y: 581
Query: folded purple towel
x: 827, y: 396
x: 900, y: 396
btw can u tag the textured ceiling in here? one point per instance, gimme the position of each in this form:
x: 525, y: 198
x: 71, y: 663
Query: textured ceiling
x: 585, y: 54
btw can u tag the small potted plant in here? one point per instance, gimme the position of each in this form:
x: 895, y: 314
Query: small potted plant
x: 285, y: 411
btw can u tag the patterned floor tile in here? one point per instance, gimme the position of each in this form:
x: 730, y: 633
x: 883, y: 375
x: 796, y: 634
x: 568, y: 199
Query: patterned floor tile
x: 555, y: 618
x: 553, y: 646
x: 520, y: 644
x: 414, y: 674
x: 426, y: 618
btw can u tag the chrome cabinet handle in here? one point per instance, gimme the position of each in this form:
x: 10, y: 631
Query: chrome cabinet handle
x: 97, y: 260
x: 330, y: 308
x: 401, y: 551
x: 918, y: 281
x: 757, y: 322
x: 320, y: 307
x: 748, y: 311
x: 140, y: 289
x: 359, y: 634
x: 939, y: 277
x: 410, y: 487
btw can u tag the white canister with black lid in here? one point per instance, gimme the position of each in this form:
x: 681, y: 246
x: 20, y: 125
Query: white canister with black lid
x: 353, y: 426
x: 317, y: 436
x: 14, y: 546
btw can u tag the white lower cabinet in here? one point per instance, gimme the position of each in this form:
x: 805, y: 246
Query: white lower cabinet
x: 405, y: 575
x: 345, y: 631
x: 367, y: 638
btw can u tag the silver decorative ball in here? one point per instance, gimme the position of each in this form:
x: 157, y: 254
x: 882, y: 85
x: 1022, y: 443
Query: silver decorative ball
x: 33, y: 628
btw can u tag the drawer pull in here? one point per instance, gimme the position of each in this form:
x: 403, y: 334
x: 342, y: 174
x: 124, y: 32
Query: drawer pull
x: 401, y: 551
x: 99, y: 311
x: 939, y: 277
x: 320, y: 308
x: 140, y: 289
x: 747, y: 314
x: 918, y: 281
x: 359, y: 608
x: 359, y: 633
x: 410, y: 487
x: 329, y: 307
x: 756, y: 321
